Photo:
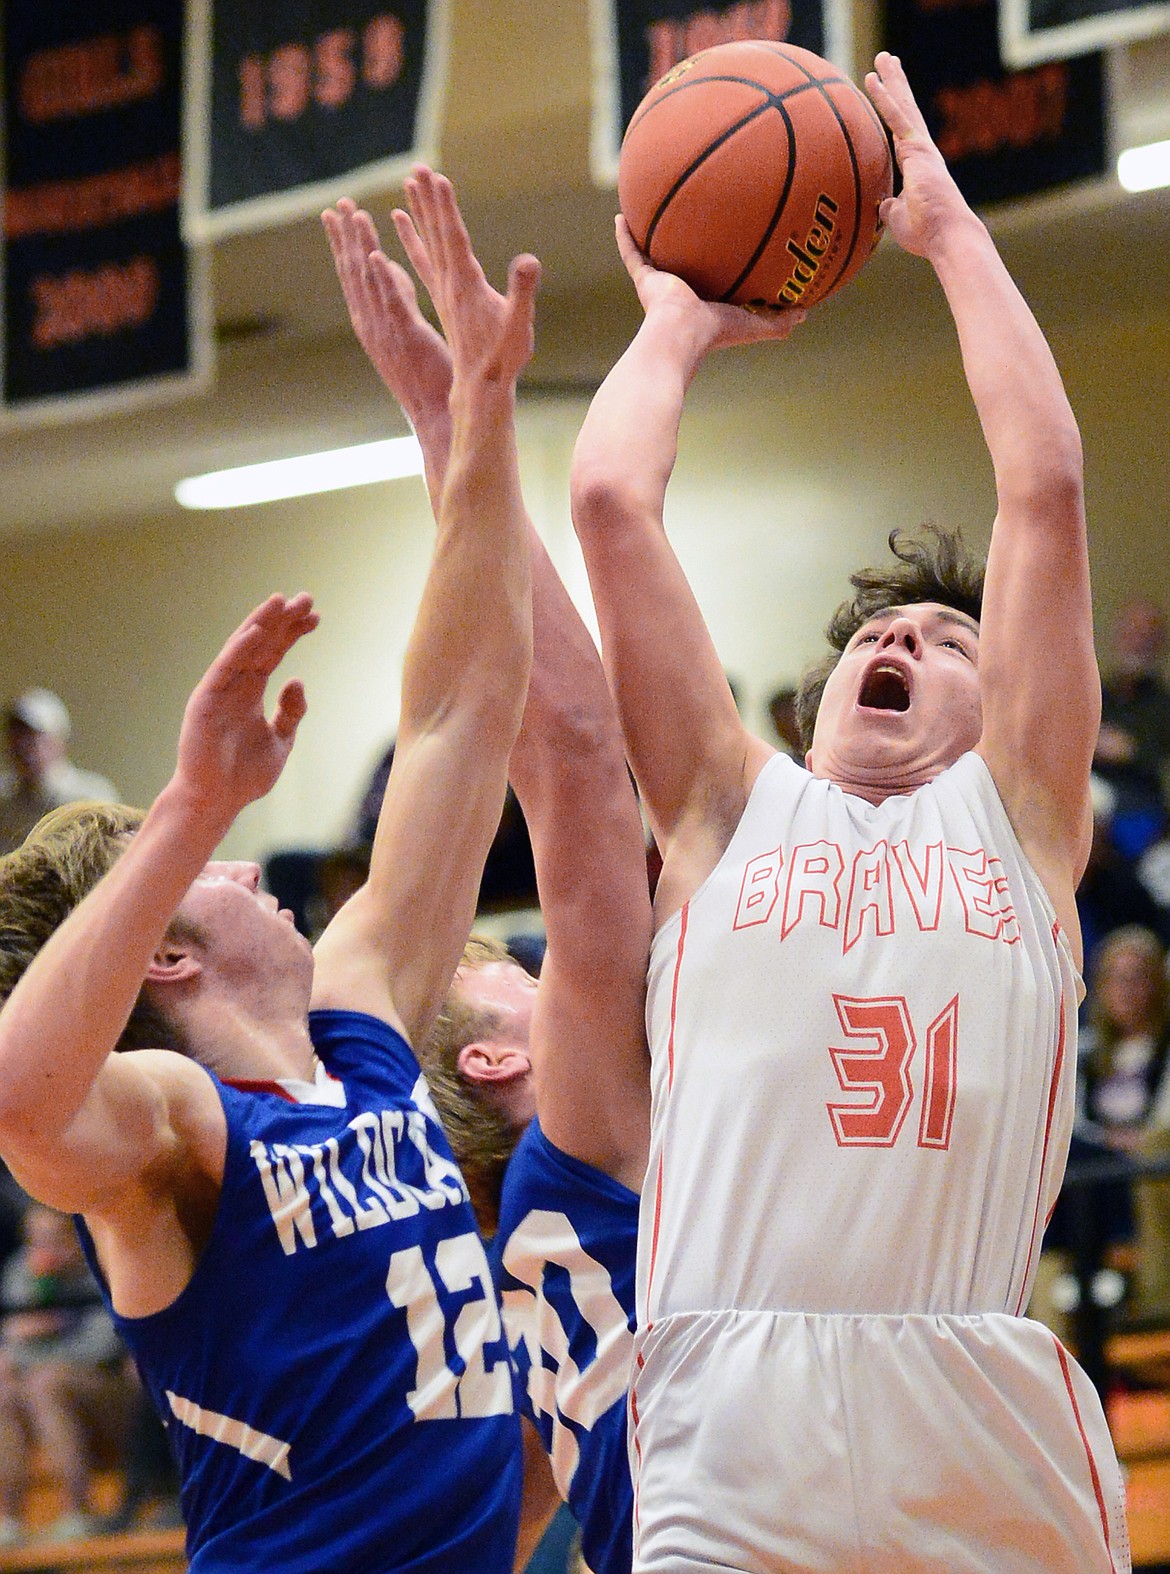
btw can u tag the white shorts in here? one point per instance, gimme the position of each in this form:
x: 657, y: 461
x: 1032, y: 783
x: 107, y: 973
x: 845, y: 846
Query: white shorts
x: 791, y: 1443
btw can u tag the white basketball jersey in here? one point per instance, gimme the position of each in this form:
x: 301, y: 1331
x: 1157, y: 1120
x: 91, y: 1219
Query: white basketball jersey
x: 862, y: 1029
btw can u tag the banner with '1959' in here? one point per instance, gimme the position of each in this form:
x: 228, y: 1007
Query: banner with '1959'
x: 287, y: 98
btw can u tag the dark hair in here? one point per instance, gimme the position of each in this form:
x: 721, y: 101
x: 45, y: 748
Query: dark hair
x: 52, y: 872
x: 934, y: 565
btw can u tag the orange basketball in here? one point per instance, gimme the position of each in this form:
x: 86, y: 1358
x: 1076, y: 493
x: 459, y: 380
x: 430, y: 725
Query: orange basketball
x: 755, y: 171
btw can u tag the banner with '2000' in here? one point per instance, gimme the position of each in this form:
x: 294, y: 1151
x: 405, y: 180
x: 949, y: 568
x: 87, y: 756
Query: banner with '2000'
x: 102, y: 301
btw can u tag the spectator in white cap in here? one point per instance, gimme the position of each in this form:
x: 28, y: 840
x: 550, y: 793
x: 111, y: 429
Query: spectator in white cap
x: 40, y: 774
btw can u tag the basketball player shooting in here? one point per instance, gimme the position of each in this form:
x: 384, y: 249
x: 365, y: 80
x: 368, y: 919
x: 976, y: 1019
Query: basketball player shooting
x: 287, y: 1243
x: 862, y: 990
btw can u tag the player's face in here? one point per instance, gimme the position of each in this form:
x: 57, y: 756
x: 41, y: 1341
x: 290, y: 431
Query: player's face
x: 244, y: 925
x: 903, y: 702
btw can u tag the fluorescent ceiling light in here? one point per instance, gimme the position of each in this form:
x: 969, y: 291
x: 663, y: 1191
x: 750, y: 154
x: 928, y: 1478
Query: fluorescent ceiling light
x: 327, y: 472
x: 1143, y: 169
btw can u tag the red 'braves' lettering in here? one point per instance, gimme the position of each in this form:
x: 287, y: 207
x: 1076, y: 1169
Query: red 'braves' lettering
x: 869, y: 892
x: 760, y: 889
x: 814, y: 873
x: 888, y: 885
x: 984, y: 891
x: 924, y: 886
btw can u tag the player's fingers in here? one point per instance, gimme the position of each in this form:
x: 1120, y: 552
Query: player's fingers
x: 365, y: 232
x: 394, y: 288
x: 413, y: 245
x: 457, y: 249
x: 291, y: 706
x: 631, y: 256
x: 523, y: 281
x: 890, y: 90
x: 349, y: 258
x: 519, y: 336
x: 420, y: 196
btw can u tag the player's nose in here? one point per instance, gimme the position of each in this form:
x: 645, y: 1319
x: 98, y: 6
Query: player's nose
x: 902, y: 632
x: 245, y: 873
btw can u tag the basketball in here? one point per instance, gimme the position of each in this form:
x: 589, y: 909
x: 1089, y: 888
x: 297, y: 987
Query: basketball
x: 755, y: 171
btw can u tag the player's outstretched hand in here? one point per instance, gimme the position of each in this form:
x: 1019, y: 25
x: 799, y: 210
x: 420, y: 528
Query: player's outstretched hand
x: 407, y: 353
x: 929, y: 198
x: 230, y: 753
x: 718, y: 323
x: 490, y: 335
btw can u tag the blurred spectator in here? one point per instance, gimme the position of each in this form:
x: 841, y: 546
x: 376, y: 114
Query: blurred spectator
x: 782, y: 710
x: 313, y: 882
x: 1123, y: 1050
x: 1133, y: 748
x: 1123, y: 1064
x: 64, y: 1390
x: 1110, y: 895
x: 41, y: 776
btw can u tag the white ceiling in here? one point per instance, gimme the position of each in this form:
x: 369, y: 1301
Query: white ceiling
x: 516, y: 141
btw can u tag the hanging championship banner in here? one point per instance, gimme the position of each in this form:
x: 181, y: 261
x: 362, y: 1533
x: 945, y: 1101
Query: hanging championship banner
x: 290, y: 101
x: 1034, y: 30
x: 637, y: 41
x: 102, y: 304
x: 1003, y: 133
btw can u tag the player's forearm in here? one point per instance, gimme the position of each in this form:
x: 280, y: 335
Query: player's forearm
x: 432, y: 428
x: 70, y: 1008
x: 1028, y: 424
x: 569, y: 771
x: 625, y: 453
x: 472, y: 642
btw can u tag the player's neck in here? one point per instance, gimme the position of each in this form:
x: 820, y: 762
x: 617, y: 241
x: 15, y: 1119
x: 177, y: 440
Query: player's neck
x: 252, y: 1039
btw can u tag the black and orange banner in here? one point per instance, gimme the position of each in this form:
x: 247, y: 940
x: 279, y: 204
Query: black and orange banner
x: 288, y: 99
x: 1004, y: 133
x: 1034, y: 30
x: 99, y: 294
x: 637, y: 41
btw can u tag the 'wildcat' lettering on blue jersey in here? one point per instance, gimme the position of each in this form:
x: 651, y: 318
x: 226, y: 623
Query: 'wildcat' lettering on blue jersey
x: 335, y: 1378
x: 564, y: 1261
x: 351, y: 1181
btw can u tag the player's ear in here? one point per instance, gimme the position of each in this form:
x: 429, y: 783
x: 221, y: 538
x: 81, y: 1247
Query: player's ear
x: 173, y: 963
x: 484, y: 1061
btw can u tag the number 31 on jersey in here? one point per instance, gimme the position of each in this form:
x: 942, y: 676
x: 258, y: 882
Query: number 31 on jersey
x: 877, y: 1063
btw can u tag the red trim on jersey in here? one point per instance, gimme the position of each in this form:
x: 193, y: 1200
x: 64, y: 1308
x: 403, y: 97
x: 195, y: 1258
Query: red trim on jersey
x: 259, y: 1085
x: 1062, y: 1356
x: 1053, y: 1089
x: 637, y: 1445
x: 682, y: 935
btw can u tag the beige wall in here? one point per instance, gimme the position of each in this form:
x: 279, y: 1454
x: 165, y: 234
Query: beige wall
x: 795, y: 462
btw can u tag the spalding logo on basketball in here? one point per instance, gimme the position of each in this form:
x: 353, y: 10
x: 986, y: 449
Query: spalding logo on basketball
x: 755, y: 171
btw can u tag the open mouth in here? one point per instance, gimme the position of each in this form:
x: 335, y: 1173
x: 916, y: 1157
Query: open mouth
x: 885, y: 688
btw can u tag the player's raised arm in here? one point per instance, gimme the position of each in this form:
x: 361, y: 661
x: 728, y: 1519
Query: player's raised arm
x: 1039, y: 680
x: 691, y: 754
x: 568, y: 768
x: 591, y: 1068
x: 77, y: 1123
x: 393, y: 949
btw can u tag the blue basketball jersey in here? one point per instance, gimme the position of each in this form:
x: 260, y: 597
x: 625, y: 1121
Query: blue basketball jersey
x: 334, y: 1378
x: 564, y: 1260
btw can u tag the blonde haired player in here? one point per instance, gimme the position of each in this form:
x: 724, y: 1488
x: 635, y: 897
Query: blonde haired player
x: 862, y: 994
